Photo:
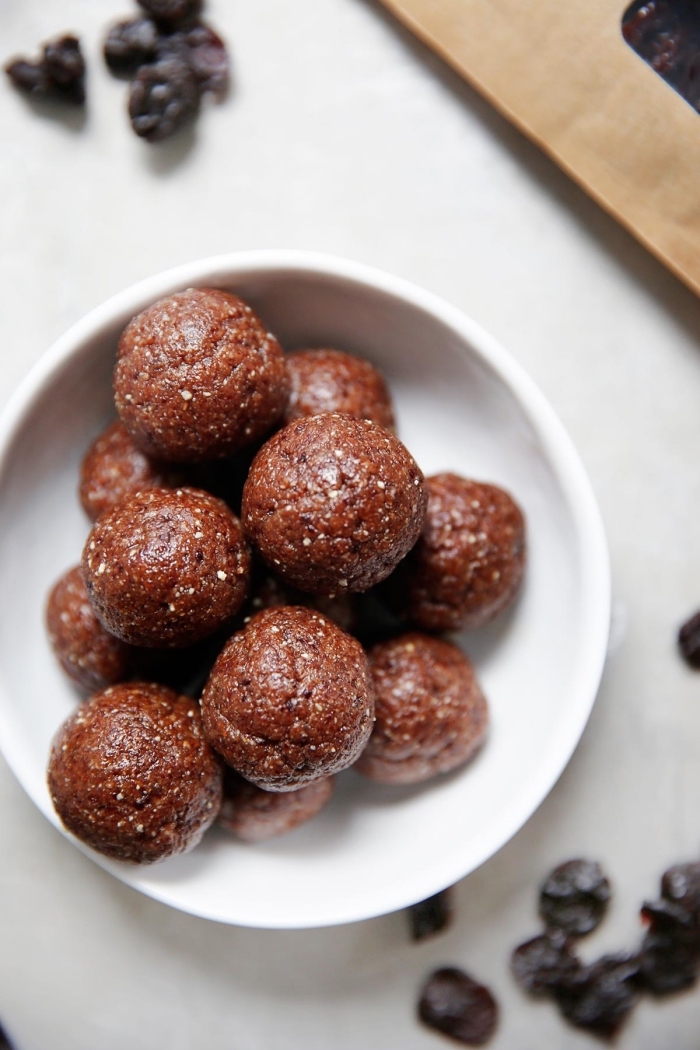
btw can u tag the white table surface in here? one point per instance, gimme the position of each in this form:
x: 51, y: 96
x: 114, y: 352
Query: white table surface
x: 344, y: 135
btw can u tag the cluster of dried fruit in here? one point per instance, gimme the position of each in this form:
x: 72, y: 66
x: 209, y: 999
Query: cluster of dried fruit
x: 599, y: 996
x: 666, y: 34
x: 170, y: 56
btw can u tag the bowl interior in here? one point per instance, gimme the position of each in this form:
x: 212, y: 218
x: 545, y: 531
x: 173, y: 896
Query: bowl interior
x: 462, y: 406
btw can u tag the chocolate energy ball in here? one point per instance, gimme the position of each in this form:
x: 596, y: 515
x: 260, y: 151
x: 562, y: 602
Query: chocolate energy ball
x: 167, y: 567
x: 469, y: 563
x: 267, y: 592
x: 431, y: 715
x: 289, y: 700
x: 255, y: 815
x: 331, y: 381
x: 89, y: 654
x: 114, y: 469
x: 198, y: 377
x: 333, y: 503
x: 131, y: 774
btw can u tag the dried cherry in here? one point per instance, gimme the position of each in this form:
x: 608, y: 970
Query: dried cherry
x: 545, y: 961
x: 59, y: 74
x: 171, y: 13
x: 600, y: 997
x: 164, y: 97
x: 431, y: 916
x: 453, y: 1003
x: 130, y: 45
x: 574, y: 897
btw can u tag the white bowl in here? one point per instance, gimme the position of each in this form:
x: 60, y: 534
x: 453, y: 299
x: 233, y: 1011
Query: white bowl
x: 463, y: 405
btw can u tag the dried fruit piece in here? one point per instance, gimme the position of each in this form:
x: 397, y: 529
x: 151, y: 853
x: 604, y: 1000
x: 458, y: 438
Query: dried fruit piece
x: 431, y: 916
x: 164, y: 97
x: 600, y: 997
x: 130, y: 45
x: 574, y: 897
x: 670, y: 958
x: 543, y: 962
x: 689, y: 641
x: 58, y: 74
x: 681, y: 884
x: 458, y: 1006
x: 4, y: 1041
x: 667, y: 965
x: 204, y: 52
x: 171, y: 13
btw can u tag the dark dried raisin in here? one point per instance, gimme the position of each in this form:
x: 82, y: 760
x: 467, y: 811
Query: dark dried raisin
x: 667, y: 965
x: 574, y: 897
x: 431, y: 916
x: 130, y: 45
x: 171, y: 12
x: 205, y: 53
x: 59, y: 74
x: 600, y: 998
x: 459, y: 1007
x: 164, y: 96
x: 689, y: 641
x: 681, y: 884
x: 544, y: 961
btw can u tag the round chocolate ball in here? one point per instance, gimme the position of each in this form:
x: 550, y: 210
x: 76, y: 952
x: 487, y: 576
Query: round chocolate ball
x: 333, y: 503
x: 255, y: 815
x: 114, y: 469
x: 198, y: 377
x: 289, y: 700
x: 131, y: 774
x: 331, y: 381
x: 167, y: 567
x: 89, y: 654
x: 431, y: 715
x: 469, y: 563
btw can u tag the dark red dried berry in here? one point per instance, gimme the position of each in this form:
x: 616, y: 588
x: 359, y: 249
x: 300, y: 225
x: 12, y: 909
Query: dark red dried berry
x: 689, y: 641
x: 601, y: 996
x: 667, y: 964
x: 130, y: 45
x: 164, y: 97
x: 171, y: 13
x: 205, y: 53
x: 459, y: 1007
x: 431, y: 916
x: 574, y: 897
x: 543, y: 962
x: 681, y: 884
x: 59, y: 74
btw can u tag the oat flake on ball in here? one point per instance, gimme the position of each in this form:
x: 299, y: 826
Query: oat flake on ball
x: 131, y: 774
x: 333, y: 503
x: 198, y: 377
x: 289, y: 700
x: 167, y: 567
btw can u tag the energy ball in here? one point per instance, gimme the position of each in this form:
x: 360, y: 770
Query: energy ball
x: 469, y: 563
x: 167, y: 567
x: 289, y: 700
x: 431, y: 715
x: 114, y: 469
x: 131, y: 774
x: 255, y: 815
x: 333, y: 503
x: 331, y: 381
x: 198, y: 377
x: 89, y: 654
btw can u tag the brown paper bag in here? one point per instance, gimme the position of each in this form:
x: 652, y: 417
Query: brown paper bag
x: 562, y: 72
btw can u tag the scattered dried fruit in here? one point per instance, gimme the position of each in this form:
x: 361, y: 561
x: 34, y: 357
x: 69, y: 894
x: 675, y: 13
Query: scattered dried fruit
x: 543, y: 962
x: 600, y: 997
x: 574, y: 897
x: 164, y: 97
x: 453, y: 1003
x: 130, y: 45
x: 59, y: 74
x: 431, y: 916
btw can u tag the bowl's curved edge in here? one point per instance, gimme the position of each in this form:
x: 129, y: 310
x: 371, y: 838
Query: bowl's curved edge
x: 565, y: 460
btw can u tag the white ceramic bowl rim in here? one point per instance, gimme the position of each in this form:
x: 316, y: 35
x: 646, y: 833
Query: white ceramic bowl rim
x: 594, y: 603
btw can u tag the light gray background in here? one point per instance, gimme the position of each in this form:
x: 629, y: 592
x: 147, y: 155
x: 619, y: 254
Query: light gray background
x: 344, y: 135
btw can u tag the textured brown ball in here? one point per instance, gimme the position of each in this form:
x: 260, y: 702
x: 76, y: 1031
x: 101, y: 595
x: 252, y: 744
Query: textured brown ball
x: 115, y: 469
x: 333, y: 503
x: 167, y: 567
x: 89, y: 654
x: 331, y: 381
x: 131, y: 774
x: 198, y: 377
x: 267, y: 592
x: 469, y: 563
x: 431, y: 715
x: 289, y: 700
x: 255, y: 815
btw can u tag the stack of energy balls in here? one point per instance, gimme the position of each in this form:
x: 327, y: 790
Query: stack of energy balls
x: 254, y: 516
